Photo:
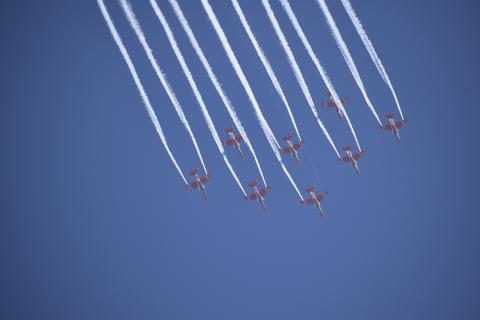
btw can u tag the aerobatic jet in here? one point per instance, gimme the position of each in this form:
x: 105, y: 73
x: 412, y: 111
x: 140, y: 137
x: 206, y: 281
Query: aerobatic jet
x: 292, y: 148
x: 393, y: 125
x: 199, y: 183
x: 331, y: 104
x: 258, y: 194
x: 352, y: 157
x: 315, y: 200
x: 233, y: 141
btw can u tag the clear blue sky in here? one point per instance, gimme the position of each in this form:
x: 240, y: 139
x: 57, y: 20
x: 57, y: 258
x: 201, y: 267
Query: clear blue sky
x: 96, y: 224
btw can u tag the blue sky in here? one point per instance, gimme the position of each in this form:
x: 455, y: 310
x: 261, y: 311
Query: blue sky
x: 96, y: 223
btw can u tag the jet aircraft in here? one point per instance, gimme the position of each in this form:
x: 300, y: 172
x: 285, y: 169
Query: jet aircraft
x: 331, y: 104
x: 315, y: 200
x: 199, y: 183
x: 292, y: 148
x: 258, y: 194
x: 393, y: 125
x: 352, y: 157
x: 233, y: 141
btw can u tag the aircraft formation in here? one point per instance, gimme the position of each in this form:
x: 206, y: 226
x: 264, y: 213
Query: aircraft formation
x: 236, y: 135
x: 293, y: 149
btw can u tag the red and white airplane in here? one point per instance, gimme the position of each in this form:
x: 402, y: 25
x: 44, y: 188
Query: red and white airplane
x: 352, y: 157
x: 258, y: 194
x: 331, y: 104
x: 233, y: 141
x: 199, y: 183
x: 292, y: 148
x: 393, y: 125
x: 315, y: 200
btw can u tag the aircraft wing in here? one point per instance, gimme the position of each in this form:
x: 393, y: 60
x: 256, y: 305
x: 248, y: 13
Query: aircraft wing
x: 193, y: 185
x: 251, y: 196
x: 206, y: 178
x: 264, y: 191
x: 400, y: 123
x: 344, y: 159
x: 328, y: 104
x: 309, y: 201
x: 238, y: 138
x: 228, y: 142
x: 321, y: 196
x: 386, y: 127
x: 297, y: 146
x: 284, y: 150
x: 357, y: 155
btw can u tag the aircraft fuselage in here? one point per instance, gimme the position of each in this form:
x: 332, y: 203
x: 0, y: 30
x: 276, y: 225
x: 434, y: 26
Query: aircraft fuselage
x: 395, y: 130
x: 353, y: 161
x: 235, y: 143
x: 293, y: 151
x: 316, y: 203
x: 259, y: 198
x: 201, y: 186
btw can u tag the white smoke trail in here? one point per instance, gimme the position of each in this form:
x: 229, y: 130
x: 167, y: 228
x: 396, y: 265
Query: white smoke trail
x: 178, y: 108
x: 193, y: 85
x: 238, y: 70
x: 228, y: 105
x: 296, y: 70
x: 265, y: 63
x: 346, y: 55
x: 138, y: 83
x: 293, y: 19
x: 371, y: 50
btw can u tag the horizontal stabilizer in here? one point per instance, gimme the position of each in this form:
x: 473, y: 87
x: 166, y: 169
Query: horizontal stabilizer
x: 253, y: 184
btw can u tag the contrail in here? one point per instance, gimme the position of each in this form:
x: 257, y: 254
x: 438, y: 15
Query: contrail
x: 228, y: 105
x: 143, y: 94
x: 296, y: 70
x: 191, y: 81
x: 238, y: 70
x: 265, y: 63
x: 371, y: 50
x: 141, y: 37
x: 293, y: 19
x: 346, y: 55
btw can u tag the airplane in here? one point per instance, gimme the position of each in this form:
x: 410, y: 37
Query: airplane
x: 331, y: 104
x: 292, y: 148
x: 393, y: 125
x: 257, y: 194
x: 233, y: 141
x: 352, y: 157
x: 315, y: 199
x: 199, y: 182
